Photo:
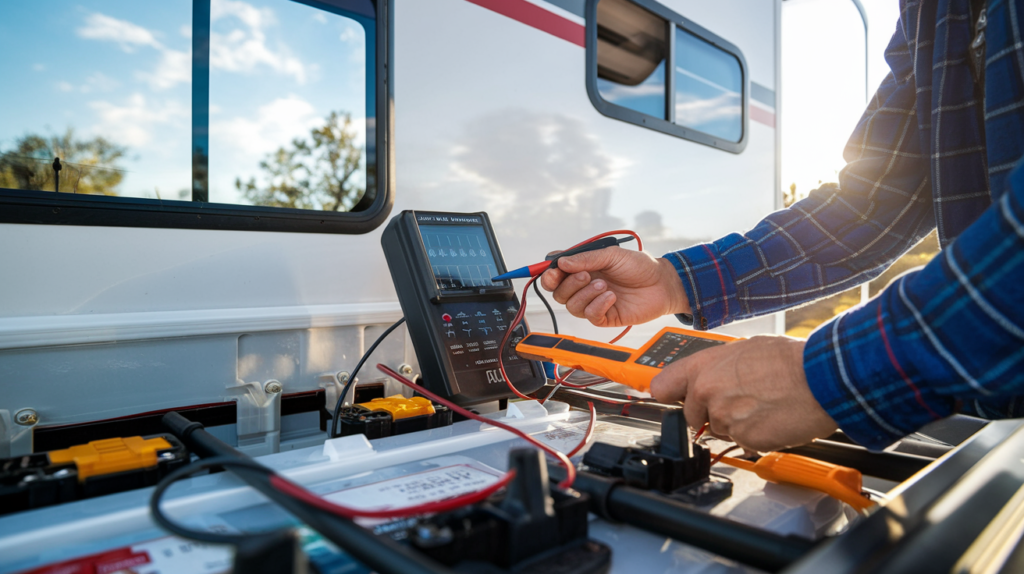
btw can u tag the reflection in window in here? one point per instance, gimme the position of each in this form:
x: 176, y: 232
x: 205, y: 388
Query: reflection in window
x: 287, y: 106
x: 709, y: 88
x: 631, y: 51
x: 107, y: 93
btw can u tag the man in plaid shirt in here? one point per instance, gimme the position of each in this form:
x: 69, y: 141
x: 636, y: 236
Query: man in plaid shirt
x: 939, y: 146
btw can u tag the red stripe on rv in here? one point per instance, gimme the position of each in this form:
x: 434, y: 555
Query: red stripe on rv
x: 762, y: 116
x: 537, y: 17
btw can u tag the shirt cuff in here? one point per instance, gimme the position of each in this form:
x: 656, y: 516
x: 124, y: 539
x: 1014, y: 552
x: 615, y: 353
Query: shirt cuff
x: 855, y: 371
x: 708, y: 283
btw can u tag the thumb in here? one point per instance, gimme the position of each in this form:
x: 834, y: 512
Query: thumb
x: 597, y: 260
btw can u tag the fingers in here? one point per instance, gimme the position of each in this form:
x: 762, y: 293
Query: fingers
x: 578, y: 302
x: 570, y: 285
x: 592, y: 260
x: 597, y: 311
x: 696, y: 413
x: 552, y: 278
x: 671, y: 384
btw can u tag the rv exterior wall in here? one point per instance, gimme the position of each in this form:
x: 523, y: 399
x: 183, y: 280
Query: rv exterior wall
x: 491, y: 114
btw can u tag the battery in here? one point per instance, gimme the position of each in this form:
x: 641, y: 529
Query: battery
x: 393, y: 415
x: 83, y: 471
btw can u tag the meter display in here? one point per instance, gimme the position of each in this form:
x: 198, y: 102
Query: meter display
x: 442, y: 264
x: 460, y: 256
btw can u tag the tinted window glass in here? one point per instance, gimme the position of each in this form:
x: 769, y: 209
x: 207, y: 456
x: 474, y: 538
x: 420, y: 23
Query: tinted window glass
x: 276, y: 115
x: 631, y: 50
x: 708, y: 88
x: 287, y: 106
x: 104, y: 86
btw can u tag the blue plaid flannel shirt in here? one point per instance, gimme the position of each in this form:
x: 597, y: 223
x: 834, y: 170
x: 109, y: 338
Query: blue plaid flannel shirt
x: 927, y: 153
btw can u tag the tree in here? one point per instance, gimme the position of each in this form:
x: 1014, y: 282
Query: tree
x: 317, y: 173
x: 89, y: 166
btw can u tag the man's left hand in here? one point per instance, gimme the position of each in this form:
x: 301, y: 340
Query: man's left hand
x: 753, y: 391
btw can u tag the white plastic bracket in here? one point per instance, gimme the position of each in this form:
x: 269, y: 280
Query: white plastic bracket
x: 259, y: 418
x: 332, y: 389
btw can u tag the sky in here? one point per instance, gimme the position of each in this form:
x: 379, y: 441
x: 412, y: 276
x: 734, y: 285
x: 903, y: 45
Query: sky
x: 823, y: 81
x: 121, y: 69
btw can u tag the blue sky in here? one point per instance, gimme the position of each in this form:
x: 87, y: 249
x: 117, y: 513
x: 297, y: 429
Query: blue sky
x: 122, y: 69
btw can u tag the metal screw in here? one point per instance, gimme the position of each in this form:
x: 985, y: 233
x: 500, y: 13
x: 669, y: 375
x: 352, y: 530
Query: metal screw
x: 273, y: 387
x: 342, y: 377
x: 26, y: 417
x: 405, y: 369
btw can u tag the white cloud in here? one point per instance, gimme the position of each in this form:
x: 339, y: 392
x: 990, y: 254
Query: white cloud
x: 694, y: 111
x: 274, y: 125
x: 174, y: 67
x: 319, y: 17
x: 186, y: 31
x: 127, y: 35
x: 132, y: 123
x: 242, y: 50
x: 247, y: 13
x: 349, y: 34
x: 97, y: 82
x: 39, y: 67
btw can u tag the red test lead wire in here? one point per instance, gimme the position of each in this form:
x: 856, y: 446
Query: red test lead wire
x: 522, y: 313
x: 570, y: 469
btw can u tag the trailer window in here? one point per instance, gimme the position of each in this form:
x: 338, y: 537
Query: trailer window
x: 649, y: 66
x: 105, y: 89
x: 631, y: 50
x: 245, y: 114
x: 708, y: 88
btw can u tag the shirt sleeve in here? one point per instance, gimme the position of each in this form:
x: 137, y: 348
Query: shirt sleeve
x: 950, y: 333
x: 841, y: 235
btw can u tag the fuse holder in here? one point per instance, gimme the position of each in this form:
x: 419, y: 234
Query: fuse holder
x: 840, y: 482
x: 401, y: 407
x: 101, y: 457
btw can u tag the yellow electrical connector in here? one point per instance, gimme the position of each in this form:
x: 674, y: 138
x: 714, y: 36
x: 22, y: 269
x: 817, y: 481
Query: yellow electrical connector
x: 401, y: 407
x: 101, y: 457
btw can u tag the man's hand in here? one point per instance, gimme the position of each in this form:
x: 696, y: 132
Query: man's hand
x: 614, y: 287
x: 753, y: 391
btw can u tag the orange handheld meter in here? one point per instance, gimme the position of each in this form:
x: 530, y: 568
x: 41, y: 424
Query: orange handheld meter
x: 632, y: 367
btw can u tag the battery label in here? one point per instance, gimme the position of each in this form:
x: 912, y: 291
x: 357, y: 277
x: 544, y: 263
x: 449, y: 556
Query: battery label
x: 418, y: 488
x: 169, y: 555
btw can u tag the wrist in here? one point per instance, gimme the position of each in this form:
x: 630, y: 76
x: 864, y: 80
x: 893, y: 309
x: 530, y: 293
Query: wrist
x: 675, y: 293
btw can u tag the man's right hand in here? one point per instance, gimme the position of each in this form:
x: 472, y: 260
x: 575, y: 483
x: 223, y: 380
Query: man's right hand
x: 615, y: 287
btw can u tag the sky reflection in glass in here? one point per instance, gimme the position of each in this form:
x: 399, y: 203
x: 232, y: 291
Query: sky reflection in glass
x: 122, y: 70
x: 709, y: 88
x: 648, y: 97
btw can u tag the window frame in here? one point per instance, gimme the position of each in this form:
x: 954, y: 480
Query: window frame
x: 49, y: 208
x: 667, y: 126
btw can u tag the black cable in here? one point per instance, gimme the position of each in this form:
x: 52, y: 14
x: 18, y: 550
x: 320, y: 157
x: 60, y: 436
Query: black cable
x: 201, y: 535
x: 554, y: 322
x: 352, y: 375
x: 381, y: 554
